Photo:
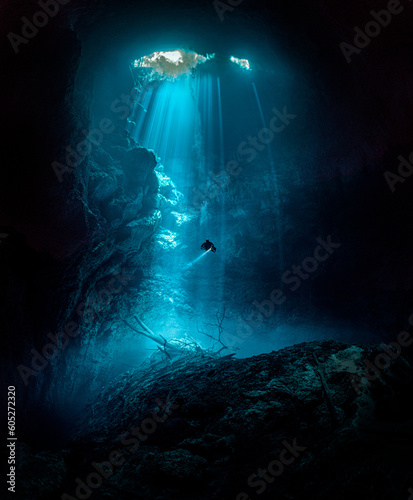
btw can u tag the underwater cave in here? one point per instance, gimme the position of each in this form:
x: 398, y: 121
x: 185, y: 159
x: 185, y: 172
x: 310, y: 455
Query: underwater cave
x: 206, y: 230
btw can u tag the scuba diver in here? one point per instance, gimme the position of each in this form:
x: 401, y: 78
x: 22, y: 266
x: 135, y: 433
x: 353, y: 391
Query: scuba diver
x: 208, y: 246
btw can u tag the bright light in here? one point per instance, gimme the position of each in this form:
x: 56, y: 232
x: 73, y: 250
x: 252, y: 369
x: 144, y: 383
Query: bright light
x: 242, y: 63
x: 172, y: 63
x: 196, y: 260
x: 173, y: 56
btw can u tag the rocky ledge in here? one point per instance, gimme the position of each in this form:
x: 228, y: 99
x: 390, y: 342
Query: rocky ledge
x: 303, y: 422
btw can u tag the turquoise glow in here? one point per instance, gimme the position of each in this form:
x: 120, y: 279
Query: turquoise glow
x: 165, y: 119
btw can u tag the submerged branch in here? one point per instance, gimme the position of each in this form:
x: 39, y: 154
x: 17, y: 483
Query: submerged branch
x: 330, y: 404
x: 151, y: 336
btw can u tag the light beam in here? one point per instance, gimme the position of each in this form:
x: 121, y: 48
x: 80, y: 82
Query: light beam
x: 194, y: 261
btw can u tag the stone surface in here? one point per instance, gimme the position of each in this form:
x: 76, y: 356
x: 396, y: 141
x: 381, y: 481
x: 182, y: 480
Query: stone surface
x: 228, y: 418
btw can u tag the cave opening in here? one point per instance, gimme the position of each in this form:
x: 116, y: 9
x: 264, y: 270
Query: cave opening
x: 134, y: 134
x: 185, y: 107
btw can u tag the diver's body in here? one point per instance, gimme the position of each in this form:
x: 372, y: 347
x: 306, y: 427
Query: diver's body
x: 208, y: 246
